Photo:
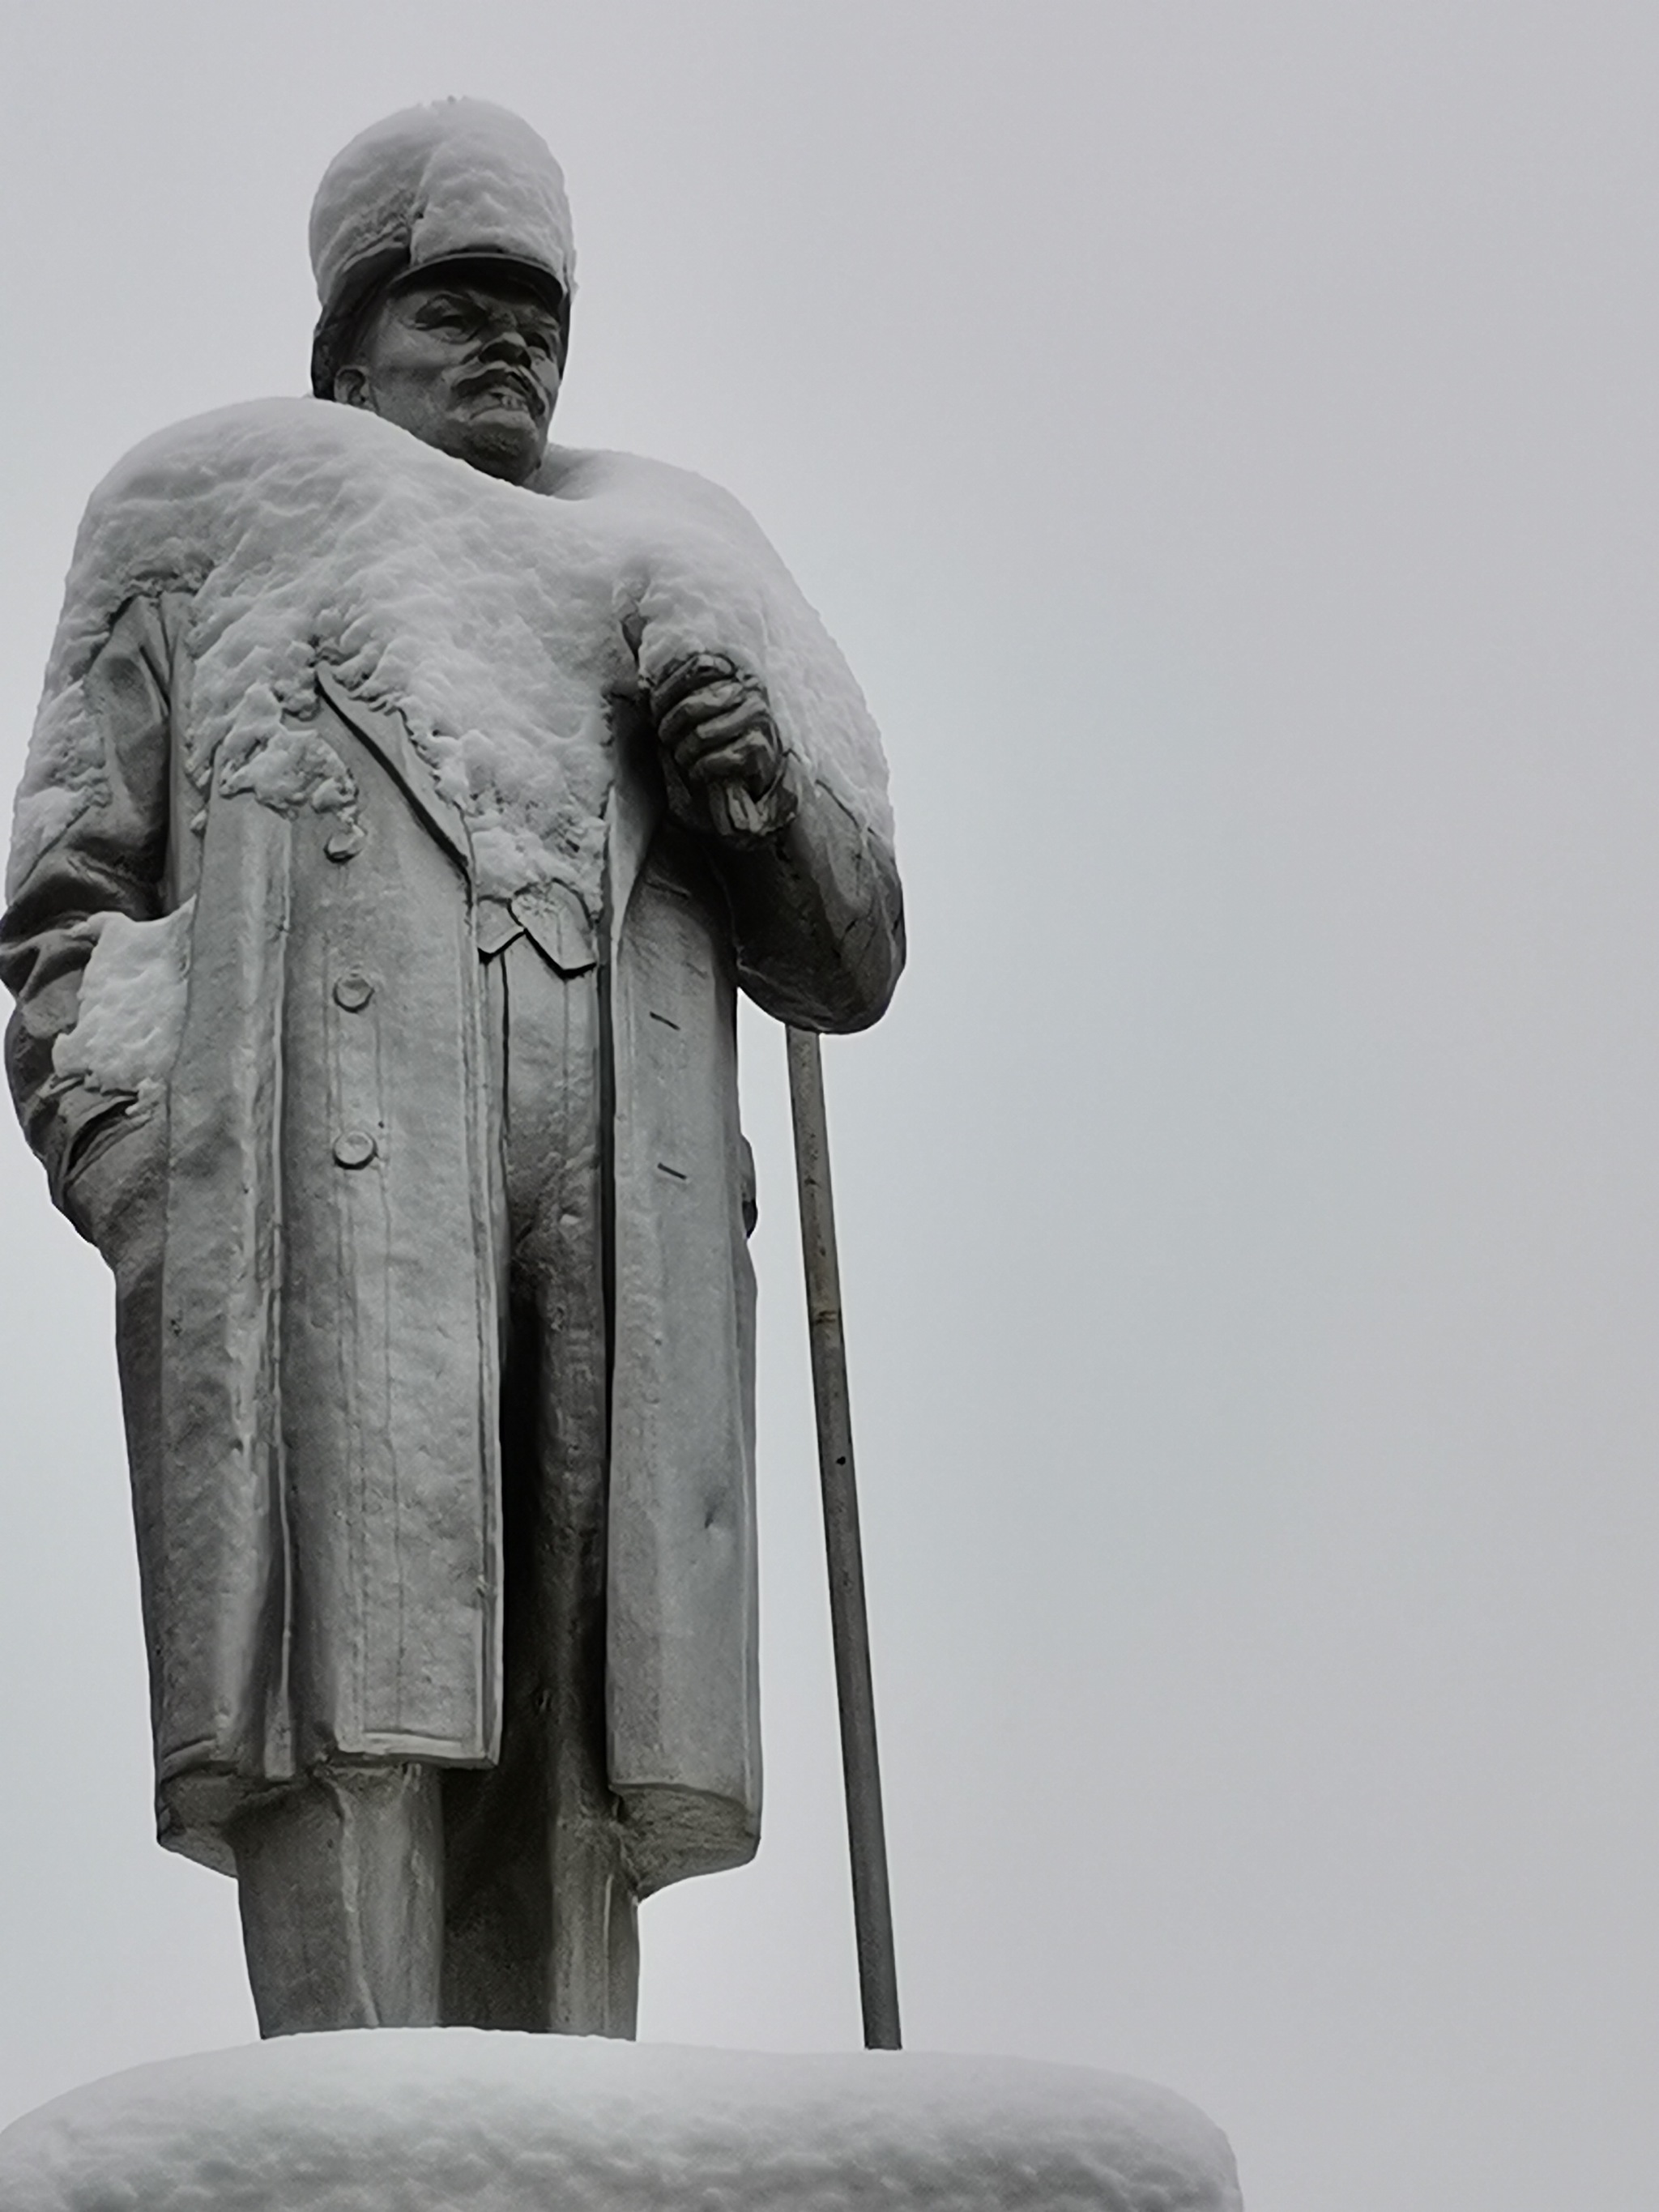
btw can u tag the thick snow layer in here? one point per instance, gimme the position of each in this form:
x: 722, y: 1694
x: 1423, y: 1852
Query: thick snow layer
x: 131, y: 1013
x: 433, y: 2120
x: 462, y: 176
x: 500, y: 620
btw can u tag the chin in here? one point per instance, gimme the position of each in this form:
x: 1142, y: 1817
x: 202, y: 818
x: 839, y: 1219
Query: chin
x: 508, y: 445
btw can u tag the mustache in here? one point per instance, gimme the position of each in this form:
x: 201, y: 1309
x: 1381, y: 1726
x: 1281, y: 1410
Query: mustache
x: 491, y: 374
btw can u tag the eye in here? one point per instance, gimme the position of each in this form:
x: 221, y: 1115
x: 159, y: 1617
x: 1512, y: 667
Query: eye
x: 447, y: 315
x: 540, y: 341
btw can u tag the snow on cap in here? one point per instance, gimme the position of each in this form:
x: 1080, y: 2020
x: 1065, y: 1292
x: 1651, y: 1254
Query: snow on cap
x: 460, y: 179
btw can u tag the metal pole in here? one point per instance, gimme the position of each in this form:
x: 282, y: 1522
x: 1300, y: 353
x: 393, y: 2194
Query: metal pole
x: 872, y: 1911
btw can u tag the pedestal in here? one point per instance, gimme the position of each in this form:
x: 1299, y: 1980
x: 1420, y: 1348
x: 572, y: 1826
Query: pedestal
x: 452, y: 2120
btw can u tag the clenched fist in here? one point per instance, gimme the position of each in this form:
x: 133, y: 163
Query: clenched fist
x: 722, y: 758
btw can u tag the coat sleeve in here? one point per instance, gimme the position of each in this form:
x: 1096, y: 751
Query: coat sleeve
x: 818, y: 914
x: 817, y: 920
x: 110, y: 860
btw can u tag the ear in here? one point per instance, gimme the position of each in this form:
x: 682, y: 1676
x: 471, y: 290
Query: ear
x: 351, y: 386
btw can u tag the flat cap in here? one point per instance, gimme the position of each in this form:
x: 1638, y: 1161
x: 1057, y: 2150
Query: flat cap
x: 461, y: 179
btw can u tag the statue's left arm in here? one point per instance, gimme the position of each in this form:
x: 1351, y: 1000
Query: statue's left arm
x: 817, y: 911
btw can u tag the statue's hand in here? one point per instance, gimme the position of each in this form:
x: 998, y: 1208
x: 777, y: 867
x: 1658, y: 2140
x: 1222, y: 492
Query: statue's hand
x: 722, y: 756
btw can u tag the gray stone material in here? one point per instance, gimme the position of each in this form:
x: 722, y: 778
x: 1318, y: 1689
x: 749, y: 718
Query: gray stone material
x: 377, y: 1021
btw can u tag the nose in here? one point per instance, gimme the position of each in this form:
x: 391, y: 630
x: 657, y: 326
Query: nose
x: 506, y: 341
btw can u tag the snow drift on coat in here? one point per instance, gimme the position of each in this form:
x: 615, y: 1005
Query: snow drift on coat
x: 299, y: 554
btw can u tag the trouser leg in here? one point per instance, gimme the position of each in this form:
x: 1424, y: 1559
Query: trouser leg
x: 593, y: 1959
x: 541, y: 1908
x: 340, y: 1880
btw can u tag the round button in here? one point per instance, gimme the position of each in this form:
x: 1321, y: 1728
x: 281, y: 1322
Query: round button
x: 345, y: 843
x: 356, y: 1149
x: 353, y: 993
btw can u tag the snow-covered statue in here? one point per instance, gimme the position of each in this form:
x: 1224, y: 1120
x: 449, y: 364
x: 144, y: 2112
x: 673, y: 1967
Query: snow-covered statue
x: 408, y: 799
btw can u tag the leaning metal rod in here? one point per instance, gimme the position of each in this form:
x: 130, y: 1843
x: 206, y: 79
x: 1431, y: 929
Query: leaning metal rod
x: 873, y: 1910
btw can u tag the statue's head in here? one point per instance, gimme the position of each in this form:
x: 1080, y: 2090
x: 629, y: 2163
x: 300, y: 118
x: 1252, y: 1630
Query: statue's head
x: 440, y: 240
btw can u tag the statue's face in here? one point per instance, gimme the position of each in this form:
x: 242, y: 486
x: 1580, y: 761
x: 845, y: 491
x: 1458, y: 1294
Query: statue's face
x: 467, y: 359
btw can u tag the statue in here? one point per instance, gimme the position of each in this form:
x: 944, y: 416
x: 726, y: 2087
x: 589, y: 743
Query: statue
x: 408, y: 799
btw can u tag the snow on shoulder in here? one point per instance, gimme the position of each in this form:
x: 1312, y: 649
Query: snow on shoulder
x: 501, y: 622
x: 423, y: 2120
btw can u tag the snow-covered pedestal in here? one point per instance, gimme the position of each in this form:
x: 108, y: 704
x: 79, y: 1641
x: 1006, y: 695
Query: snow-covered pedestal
x: 450, y: 2120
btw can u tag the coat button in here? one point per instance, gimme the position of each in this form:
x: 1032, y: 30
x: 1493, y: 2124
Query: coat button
x: 356, y: 1149
x: 353, y: 993
x: 345, y: 843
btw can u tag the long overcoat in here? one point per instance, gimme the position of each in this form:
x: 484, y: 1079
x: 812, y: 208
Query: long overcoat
x: 305, y: 1247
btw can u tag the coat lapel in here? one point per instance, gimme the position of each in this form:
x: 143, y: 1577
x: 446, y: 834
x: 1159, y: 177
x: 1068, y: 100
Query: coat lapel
x: 385, y: 733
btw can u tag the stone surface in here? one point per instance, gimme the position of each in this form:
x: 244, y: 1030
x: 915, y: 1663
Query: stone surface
x: 374, y: 733
x: 433, y: 2121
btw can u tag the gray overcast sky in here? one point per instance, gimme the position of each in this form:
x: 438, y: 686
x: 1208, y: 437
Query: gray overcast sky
x: 1224, y: 437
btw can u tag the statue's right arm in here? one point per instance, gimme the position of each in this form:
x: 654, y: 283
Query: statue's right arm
x: 110, y: 860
